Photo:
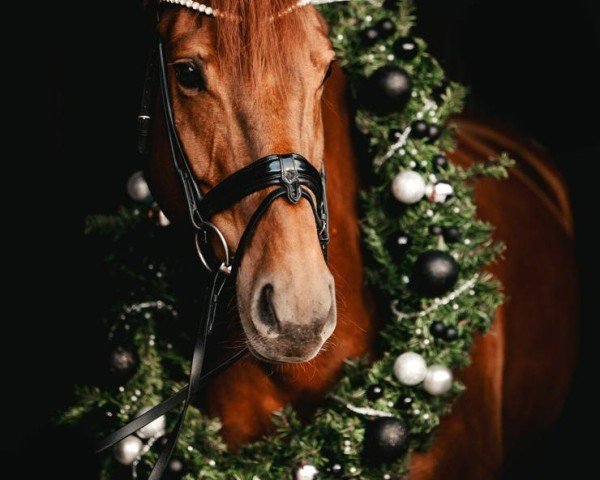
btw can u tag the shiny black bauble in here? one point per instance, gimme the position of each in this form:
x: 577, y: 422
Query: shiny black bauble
x: 386, y: 440
x: 434, y: 273
x: 388, y: 90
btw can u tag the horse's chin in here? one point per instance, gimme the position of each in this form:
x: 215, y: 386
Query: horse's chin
x: 276, y: 359
x: 273, y: 351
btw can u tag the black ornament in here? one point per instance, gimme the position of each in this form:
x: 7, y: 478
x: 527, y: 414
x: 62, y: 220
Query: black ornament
x: 175, y: 470
x: 450, y: 334
x: 374, y: 392
x: 369, y: 36
x: 386, y: 440
x: 434, y: 273
x: 398, y: 244
x: 386, y: 28
x: 451, y: 234
x: 391, y: 4
x: 437, y: 329
x: 405, y: 48
x: 404, y: 403
x: 335, y: 470
x: 419, y: 129
x: 435, y: 131
x: 435, y: 230
x: 388, y: 90
x: 123, y: 362
x: 440, y: 162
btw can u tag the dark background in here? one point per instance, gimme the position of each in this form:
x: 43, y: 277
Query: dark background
x: 531, y: 64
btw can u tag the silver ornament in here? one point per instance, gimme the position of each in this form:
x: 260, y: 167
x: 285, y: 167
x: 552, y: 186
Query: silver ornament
x: 306, y: 472
x: 408, y: 187
x: 439, y: 192
x: 438, y: 380
x: 138, y: 189
x: 410, y: 368
x: 154, y: 429
x: 127, y: 450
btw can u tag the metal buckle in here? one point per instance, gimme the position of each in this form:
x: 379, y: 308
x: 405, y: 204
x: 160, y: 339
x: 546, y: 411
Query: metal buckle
x: 290, y: 179
x: 201, y: 239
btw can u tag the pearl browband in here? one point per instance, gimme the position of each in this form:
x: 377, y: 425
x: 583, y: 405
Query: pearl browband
x: 213, y: 12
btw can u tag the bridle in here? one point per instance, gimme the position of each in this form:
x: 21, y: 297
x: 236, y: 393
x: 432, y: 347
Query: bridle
x: 289, y: 176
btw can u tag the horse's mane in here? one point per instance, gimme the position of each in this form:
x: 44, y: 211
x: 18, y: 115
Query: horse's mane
x: 258, y: 41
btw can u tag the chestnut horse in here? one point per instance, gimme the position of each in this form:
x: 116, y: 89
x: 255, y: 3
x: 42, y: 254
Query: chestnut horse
x: 241, y: 90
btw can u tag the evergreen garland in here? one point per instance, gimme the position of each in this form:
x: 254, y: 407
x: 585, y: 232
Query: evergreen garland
x: 145, y: 314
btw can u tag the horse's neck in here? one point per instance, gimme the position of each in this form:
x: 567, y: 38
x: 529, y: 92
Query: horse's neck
x: 245, y: 396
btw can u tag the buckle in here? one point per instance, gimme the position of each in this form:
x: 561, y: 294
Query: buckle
x: 290, y: 179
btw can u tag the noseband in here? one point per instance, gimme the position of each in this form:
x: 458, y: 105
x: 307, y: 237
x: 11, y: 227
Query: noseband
x: 289, y: 176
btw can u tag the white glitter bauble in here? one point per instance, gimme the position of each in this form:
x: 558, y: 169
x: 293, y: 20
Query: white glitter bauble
x: 127, y: 450
x: 138, y: 189
x: 306, y: 472
x: 410, y: 368
x: 408, y: 187
x: 438, y: 380
x: 154, y: 429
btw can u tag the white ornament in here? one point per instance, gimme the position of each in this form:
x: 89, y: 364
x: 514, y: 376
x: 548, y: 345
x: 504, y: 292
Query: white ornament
x: 408, y: 187
x: 306, y: 472
x: 127, y: 450
x: 410, y: 368
x: 137, y: 188
x: 438, y: 380
x: 154, y: 429
x: 439, y: 192
x: 162, y: 219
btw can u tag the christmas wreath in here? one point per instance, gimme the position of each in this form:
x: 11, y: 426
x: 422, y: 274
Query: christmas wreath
x: 427, y: 253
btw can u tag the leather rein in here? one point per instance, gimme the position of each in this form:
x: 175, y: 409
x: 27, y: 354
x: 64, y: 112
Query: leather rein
x: 289, y: 176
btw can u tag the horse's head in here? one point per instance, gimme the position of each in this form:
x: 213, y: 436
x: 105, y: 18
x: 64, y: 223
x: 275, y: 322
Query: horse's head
x: 242, y: 89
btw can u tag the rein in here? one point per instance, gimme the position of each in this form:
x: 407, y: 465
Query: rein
x: 289, y: 176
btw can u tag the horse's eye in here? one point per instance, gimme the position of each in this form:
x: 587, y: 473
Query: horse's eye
x: 189, y: 75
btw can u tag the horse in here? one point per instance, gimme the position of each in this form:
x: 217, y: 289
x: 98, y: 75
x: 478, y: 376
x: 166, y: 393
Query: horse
x: 241, y: 90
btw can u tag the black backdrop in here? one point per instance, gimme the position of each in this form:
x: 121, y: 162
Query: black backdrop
x: 531, y: 64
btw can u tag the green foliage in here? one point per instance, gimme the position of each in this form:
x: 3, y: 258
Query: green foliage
x: 144, y: 311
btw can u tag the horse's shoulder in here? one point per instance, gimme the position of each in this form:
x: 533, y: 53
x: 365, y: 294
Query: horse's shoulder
x: 535, y: 170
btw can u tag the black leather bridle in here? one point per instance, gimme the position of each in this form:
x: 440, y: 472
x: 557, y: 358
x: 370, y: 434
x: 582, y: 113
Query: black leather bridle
x: 289, y: 176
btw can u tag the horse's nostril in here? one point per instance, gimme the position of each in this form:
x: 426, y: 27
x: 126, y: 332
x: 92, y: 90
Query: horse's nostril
x: 266, y: 313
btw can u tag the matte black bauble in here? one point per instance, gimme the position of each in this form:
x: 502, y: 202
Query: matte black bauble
x: 398, y: 244
x: 451, y: 234
x: 434, y: 132
x: 440, y: 162
x: 419, y: 129
x: 386, y: 28
x: 388, y: 90
x: 405, y: 48
x: 450, y: 334
x: 369, y: 36
x: 374, y: 392
x: 386, y: 440
x: 437, y: 329
x: 434, y: 273
x: 435, y: 230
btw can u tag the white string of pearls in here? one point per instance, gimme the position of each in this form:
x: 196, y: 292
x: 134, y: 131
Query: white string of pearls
x: 213, y: 12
